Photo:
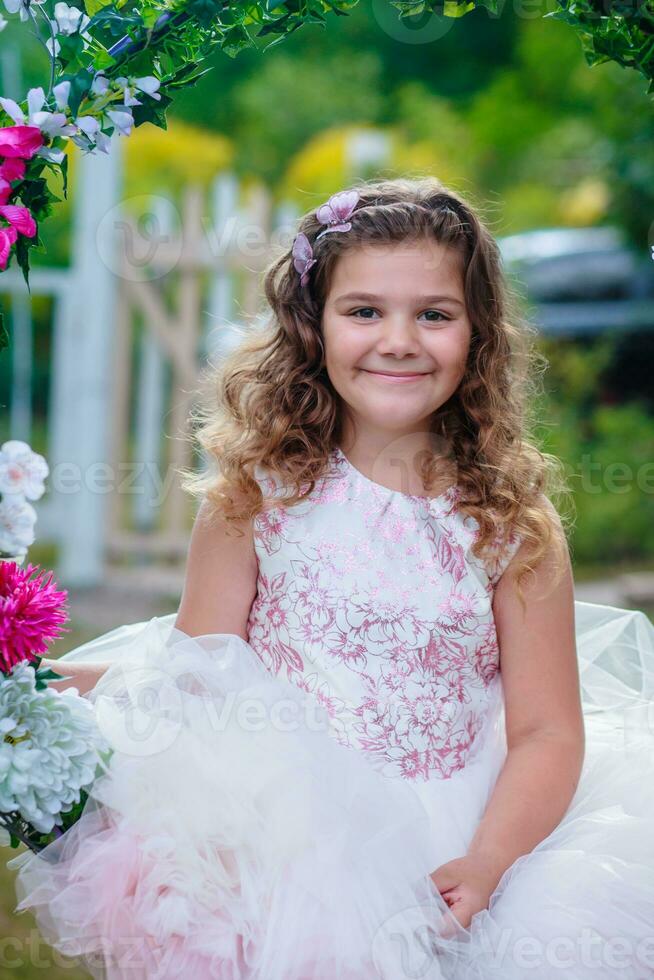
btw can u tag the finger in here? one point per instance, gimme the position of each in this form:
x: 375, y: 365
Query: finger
x: 446, y: 877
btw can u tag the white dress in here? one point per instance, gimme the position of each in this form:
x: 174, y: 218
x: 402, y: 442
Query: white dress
x: 272, y: 810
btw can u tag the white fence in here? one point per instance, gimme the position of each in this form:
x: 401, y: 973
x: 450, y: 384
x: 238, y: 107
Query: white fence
x: 154, y: 287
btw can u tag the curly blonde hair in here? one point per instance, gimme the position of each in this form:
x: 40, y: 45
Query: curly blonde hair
x: 271, y: 402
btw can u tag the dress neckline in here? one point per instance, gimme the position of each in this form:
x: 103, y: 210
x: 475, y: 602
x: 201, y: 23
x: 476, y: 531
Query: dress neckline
x: 339, y: 455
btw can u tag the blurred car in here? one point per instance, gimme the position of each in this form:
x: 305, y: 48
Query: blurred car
x: 581, y: 281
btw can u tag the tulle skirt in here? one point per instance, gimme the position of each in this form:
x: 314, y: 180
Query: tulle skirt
x: 231, y: 835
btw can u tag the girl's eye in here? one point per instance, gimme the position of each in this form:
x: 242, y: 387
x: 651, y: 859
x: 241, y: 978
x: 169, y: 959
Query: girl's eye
x: 438, y: 314
x: 369, y: 309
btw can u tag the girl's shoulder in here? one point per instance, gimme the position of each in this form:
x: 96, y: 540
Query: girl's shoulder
x: 499, y: 555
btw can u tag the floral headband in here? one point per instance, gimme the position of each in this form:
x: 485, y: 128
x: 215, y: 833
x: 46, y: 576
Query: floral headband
x: 335, y: 214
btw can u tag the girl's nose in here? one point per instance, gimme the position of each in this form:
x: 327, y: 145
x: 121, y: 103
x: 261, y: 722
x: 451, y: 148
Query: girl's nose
x: 398, y: 336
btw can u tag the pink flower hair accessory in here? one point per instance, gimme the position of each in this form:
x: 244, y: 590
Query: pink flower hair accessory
x: 303, y: 257
x: 335, y: 214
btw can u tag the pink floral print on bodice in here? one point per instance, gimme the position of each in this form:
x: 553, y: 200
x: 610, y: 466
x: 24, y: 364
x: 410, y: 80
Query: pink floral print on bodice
x: 371, y: 601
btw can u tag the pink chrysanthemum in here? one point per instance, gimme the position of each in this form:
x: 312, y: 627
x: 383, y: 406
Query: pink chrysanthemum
x: 31, y: 613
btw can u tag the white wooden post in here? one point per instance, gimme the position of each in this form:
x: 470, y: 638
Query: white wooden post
x: 20, y: 424
x: 150, y: 407
x: 220, y: 242
x: 82, y: 473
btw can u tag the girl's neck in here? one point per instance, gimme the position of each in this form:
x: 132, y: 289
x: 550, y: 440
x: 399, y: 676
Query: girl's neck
x: 397, y: 464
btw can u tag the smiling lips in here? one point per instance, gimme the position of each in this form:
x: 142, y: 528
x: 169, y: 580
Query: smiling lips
x: 395, y: 378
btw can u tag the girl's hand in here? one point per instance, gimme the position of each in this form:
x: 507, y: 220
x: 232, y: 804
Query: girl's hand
x: 467, y: 884
x: 83, y: 676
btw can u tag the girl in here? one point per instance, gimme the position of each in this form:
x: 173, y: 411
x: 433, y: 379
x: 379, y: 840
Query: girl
x: 361, y: 747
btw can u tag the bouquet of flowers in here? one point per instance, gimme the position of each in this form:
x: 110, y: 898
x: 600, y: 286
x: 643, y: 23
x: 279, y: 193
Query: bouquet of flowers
x: 50, y: 745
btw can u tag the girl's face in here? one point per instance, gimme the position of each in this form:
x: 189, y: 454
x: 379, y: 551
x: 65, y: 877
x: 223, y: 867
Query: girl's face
x: 395, y: 310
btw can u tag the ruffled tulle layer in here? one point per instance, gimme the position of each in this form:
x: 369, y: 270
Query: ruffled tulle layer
x: 233, y: 837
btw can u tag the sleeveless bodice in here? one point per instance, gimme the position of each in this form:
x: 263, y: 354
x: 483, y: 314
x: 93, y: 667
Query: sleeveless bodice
x: 371, y: 601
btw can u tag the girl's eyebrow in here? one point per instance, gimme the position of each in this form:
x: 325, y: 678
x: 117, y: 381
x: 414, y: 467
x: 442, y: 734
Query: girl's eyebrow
x: 371, y: 298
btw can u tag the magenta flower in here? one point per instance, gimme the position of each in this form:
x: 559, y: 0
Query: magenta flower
x: 31, y: 613
x: 12, y: 169
x: 20, y: 222
x: 20, y: 141
x: 20, y: 218
x: 336, y: 211
x: 7, y: 238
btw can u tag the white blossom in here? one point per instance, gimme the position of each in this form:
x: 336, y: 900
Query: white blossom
x: 62, y: 94
x: 53, y: 46
x: 20, y: 7
x: 148, y: 84
x: 22, y: 471
x: 100, y: 84
x: 123, y: 121
x: 49, y: 745
x: 128, y: 97
x: 51, y: 123
x: 17, y: 520
x: 69, y: 20
x: 89, y: 125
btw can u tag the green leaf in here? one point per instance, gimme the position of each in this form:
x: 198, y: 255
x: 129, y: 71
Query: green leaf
x: 4, y: 336
x: 50, y: 675
x: 80, y: 85
x: 102, y: 59
x: 22, y: 257
x: 64, y: 174
x: 152, y: 111
x: 452, y: 8
x: 115, y: 22
x: 235, y: 40
x: 94, y: 6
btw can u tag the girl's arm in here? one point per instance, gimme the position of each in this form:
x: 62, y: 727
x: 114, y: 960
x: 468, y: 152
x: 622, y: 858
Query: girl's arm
x: 219, y: 588
x: 544, y: 730
x: 83, y: 676
x: 544, y: 718
x: 221, y: 578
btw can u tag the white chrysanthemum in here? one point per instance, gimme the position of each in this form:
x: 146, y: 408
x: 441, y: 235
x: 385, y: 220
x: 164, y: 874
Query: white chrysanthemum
x: 49, y: 745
